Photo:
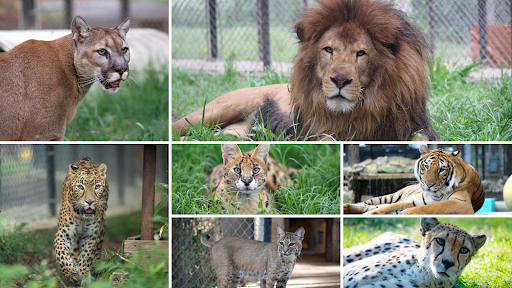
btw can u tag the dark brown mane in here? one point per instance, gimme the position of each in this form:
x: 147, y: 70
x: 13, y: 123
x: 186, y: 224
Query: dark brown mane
x: 393, y: 104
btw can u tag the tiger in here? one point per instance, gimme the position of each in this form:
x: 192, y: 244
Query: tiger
x: 446, y: 185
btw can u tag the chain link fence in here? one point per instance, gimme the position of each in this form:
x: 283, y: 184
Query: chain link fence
x: 57, y: 14
x: 191, y: 261
x: 31, y: 177
x: 258, y: 33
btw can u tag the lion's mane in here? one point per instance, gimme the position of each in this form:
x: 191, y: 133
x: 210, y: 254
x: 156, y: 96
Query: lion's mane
x: 393, y: 104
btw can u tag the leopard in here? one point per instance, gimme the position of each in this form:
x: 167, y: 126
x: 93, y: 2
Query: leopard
x: 248, y: 180
x: 445, y: 250
x: 81, y: 224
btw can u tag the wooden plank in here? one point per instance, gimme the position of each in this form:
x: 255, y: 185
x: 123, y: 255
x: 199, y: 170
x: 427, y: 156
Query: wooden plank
x: 372, y: 176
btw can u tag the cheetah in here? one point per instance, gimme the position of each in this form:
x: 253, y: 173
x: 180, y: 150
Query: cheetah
x: 444, y: 251
x: 81, y: 225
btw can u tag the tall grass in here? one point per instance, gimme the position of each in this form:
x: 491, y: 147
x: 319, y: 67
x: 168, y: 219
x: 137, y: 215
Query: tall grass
x: 461, y: 108
x: 138, y: 111
x: 489, y: 268
x: 315, y: 190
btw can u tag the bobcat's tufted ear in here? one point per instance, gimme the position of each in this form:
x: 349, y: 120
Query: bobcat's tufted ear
x: 72, y: 168
x: 123, y: 27
x: 103, y: 171
x: 424, y: 150
x: 427, y: 224
x: 300, y: 233
x: 280, y: 232
x: 80, y: 29
x: 479, y: 241
x: 261, y: 152
x: 230, y: 152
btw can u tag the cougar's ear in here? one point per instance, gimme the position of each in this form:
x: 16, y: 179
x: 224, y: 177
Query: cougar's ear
x: 80, y: 29
x: 123, y: 27
x: 230, y: 152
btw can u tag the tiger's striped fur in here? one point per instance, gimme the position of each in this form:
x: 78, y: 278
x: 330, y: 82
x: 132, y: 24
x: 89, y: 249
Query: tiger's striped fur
x: 446, y: 185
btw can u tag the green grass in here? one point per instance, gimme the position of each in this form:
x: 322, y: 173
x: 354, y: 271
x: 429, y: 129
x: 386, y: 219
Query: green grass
x: 316, y: 189
x: 138, y: 111
x: 461, y: 109
x: 489, y: 268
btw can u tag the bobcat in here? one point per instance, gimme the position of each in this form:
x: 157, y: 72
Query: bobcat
x: 234, y: 257
x: 43, y: 81
x: 241, y: 181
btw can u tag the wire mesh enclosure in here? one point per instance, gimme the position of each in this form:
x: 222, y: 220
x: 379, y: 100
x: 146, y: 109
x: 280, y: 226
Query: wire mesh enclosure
x: 258, y: 33
x: 57, y: 14
x: 31, y: 177
x: 191, y: 262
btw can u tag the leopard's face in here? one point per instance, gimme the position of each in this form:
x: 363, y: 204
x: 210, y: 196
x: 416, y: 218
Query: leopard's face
x: 88, y: 188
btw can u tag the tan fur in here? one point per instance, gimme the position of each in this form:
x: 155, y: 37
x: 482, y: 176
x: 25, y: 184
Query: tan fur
x: 448, y: 186
x: 244, y: 190
x: 234, y: 257
x: 359, y: 74
x: 43, y: 81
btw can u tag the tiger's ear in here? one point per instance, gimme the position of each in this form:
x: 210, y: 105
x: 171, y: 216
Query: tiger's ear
x: 456, y: 154
x: 428, y: 224
x: 230, y: 152
x: 261, y: 152
x: 424, y: 150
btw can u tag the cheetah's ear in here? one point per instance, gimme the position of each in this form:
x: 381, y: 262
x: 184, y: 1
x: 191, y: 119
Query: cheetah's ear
x: 479, y: 241
x: 103, y: 171
x: 424, y: 150
x: 72, y: 168
x: 230, y: 152
x: 427, y: 224
x: 261, y: 152
x: 280, y: 232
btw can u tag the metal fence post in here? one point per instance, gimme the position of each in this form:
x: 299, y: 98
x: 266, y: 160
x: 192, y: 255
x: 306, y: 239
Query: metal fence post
x: 120, y: 173
x: 125, y: 9
x: 212, y: 12
x: 148, y: 192
x: 69, y: 13
x: 482, y: 30
x: 431, y: 21
x: 50, y: 170
x: 29, y: 14
x: 263, y: 31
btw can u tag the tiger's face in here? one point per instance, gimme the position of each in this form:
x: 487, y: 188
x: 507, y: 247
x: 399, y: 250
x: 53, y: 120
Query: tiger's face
x: 435, y: 170
x: 446, y: 249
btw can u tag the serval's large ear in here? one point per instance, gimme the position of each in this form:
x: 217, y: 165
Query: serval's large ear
x: 230, y: 152
x: 261, y: 152
x: 123, y: 27
x: 80, y: 30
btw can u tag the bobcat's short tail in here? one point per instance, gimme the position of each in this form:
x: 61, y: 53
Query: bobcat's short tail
x: 205, y: 239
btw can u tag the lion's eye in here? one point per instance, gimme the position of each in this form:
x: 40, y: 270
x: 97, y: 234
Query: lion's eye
x: 124, y: 50
x: 102, y: 51
x: 255, y: 170
x: 464, y: 250
x: 440, y: 241
x: 328, y: 50
x: 360, y: 53
x: 80, y: 187
x: 237, y: 170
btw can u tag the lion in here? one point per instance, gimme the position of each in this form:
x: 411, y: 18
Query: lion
x: 360, y: 74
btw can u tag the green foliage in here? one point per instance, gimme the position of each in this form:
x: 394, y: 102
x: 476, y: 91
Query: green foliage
x: 16, y: 244
x: 464, y: 109
x: 315, y: 190
x: 138, y: 111
x: 489, y: 268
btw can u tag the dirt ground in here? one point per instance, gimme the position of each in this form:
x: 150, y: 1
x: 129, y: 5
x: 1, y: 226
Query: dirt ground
x: 315, y: 274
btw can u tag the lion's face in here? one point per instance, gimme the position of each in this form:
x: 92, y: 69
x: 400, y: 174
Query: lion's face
x: 343, y: 67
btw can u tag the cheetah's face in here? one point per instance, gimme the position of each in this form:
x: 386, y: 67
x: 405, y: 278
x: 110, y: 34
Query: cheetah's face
x: 88, y: 190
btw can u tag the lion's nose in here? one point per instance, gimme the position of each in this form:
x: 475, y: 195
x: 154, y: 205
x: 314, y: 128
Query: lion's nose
x: 341, y: 81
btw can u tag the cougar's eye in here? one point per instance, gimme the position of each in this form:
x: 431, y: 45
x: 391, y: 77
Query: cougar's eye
x: 237, y: 170
x: 255, y: 170
x: 464, y: 250
x: 102, y: 51
x: 124, y: 50
x: 440, y: 241
x: 328, y: 50
x: 360, y: 53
